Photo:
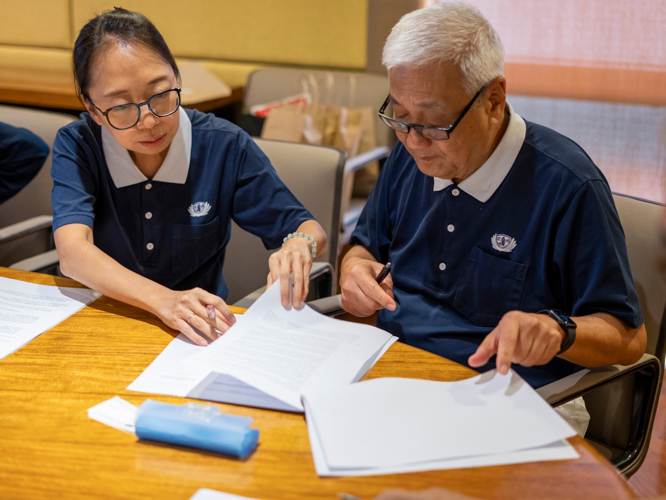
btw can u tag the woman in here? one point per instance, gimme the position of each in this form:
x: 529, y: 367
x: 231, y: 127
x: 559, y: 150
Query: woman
x: 144, y: 191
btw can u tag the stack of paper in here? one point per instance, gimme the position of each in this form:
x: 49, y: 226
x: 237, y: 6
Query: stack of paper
x: 268, y: 358
x: 393, y: 425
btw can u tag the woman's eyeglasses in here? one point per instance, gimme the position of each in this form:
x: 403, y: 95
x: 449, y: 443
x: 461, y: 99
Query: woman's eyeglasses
x: 127, y: 115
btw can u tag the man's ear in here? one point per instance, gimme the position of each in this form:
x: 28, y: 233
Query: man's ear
x: 496, y: 99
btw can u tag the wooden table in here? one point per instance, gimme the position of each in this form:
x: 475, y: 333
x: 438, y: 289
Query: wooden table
x: 49, y: 448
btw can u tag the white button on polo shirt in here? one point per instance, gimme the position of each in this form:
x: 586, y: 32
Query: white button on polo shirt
x: 149, y: 215
x: 442, y: 266
x: 150, y: 246
x: 455, y: 192
x: 450, y: 228
x: 149, y: 185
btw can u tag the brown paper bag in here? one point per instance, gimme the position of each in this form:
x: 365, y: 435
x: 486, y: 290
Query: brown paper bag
x: 305, y: 123
x: 285, y: 123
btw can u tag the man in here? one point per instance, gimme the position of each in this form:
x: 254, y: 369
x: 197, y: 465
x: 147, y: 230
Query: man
x: 491, y: 223
x: 22, y: 155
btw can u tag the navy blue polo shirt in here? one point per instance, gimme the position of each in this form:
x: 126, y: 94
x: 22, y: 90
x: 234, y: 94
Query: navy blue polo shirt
x: 173, y: 228
x: 22, y: 155
x: 537, y: 232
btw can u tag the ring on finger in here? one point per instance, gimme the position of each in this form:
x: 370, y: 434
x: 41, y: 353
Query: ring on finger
x: 189, y: 319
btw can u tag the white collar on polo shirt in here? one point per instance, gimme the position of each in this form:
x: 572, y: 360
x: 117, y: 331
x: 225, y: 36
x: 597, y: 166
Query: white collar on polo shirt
x: 483, y: 183
x: 174, y: 169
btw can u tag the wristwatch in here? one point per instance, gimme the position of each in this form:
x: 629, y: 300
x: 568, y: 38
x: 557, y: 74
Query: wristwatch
x: 566, y: 323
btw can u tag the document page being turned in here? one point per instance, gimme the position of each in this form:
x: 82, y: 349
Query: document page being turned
x: 283, y: 352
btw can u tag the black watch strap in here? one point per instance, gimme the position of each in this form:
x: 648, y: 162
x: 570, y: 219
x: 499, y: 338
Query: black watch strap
x: 566, y: 323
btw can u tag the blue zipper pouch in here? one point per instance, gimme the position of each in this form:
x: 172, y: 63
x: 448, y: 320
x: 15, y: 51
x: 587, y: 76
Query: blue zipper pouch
x: 196, y: 425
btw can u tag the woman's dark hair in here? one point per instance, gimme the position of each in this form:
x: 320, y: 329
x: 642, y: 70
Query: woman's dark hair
x: 115, y: 26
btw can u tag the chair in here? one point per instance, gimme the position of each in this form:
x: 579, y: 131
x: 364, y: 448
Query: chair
x: 25, y: 219
x: 314, y: 175
x: 271, y: 84
x: 622, y: 400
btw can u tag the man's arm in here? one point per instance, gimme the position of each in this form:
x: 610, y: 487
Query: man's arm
x: 532, y: 339
x: 361, y: 294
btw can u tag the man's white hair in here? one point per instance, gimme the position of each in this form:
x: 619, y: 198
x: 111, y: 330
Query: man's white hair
x: 447, y: 32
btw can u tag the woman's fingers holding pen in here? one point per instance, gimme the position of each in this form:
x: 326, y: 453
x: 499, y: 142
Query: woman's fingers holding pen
x: 217, y: 313
x: 187, y: 312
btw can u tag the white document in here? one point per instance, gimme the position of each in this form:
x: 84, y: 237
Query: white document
x: 167, y: 374
x: 28, y: 310
x: 206, y: 494
x: 116, y: 413
x: 268, y: 358
x: 394, y: 425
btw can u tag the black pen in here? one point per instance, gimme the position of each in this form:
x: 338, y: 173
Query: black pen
x: 383, y: 273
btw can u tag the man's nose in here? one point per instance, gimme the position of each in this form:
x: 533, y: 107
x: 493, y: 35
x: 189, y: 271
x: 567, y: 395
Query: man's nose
x: 416, y: 140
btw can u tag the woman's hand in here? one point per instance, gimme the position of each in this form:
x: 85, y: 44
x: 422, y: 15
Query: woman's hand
x: 295, y: 256
x: 187, y: 310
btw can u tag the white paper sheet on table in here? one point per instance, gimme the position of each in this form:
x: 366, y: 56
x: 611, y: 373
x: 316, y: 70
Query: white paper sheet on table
x: 393, y: 425
x: 27, y: 310
x: 206, y: 494
x: 267, y: 358
x: 116, y: 413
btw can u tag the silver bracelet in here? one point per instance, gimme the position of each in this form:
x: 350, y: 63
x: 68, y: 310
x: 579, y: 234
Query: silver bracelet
x: 307, y: 237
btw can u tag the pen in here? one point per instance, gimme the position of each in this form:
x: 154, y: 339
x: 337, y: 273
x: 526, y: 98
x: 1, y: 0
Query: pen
x: 211, y: 311
x: 383, y: 273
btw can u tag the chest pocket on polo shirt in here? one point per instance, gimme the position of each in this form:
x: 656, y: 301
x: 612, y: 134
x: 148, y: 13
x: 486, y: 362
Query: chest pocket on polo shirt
x: 194, y: 244
x: 491, y: 287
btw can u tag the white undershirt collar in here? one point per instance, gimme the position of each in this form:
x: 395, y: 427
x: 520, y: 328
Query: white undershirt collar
x: 174, y: 169
x: 483, y: 183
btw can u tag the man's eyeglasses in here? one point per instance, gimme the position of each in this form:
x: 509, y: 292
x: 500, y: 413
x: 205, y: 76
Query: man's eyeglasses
x: 127, y: 115
x: 432, y: 133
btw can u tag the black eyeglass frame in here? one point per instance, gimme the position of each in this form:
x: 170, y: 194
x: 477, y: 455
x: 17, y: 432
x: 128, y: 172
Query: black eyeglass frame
x: 138, y: 106
x: 420, y: 128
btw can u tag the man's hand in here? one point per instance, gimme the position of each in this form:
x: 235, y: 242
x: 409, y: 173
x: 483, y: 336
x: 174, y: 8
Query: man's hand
x: 524, y: 338
x: 361, y: 294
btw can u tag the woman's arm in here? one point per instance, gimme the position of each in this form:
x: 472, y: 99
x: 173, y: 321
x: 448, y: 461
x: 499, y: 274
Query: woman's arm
x: 81, y: 260
x: 296, y: 256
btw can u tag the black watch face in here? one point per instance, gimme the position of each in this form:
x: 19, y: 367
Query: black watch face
x: 567, y: 321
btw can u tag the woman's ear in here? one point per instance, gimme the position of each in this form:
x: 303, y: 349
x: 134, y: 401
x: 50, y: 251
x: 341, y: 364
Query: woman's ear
x: 92, y: 110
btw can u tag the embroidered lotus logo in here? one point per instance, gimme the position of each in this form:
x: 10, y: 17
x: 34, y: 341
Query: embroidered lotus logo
x: 199, y: 209
x: 503, y: 243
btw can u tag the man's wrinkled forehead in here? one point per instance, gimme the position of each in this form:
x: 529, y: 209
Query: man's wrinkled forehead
x: 428, y: 87
x: 426, y: 104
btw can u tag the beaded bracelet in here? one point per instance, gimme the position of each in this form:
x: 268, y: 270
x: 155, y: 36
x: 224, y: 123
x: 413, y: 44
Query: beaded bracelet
x: 307, y: 237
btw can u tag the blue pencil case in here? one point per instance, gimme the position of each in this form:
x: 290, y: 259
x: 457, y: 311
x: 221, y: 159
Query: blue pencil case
x: 196, y: 425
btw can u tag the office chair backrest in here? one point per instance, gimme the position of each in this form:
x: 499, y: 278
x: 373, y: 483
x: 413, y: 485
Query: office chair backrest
x: 35, y: 198
x: 271, y: 84
x: 314, y: 176
x: 614, y: 426
x: 640, y: 219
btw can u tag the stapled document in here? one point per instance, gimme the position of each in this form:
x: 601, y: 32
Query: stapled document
x: 268, y: 358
